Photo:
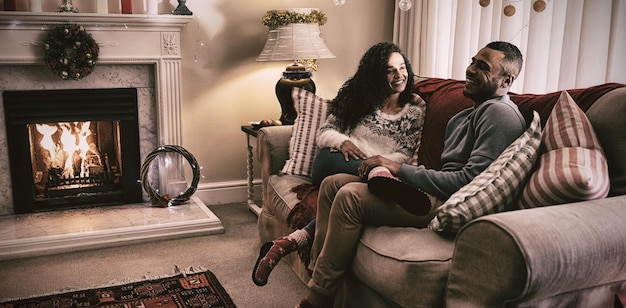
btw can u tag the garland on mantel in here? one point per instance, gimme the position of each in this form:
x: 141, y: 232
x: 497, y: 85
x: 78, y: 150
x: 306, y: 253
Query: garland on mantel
x: 70, y: 52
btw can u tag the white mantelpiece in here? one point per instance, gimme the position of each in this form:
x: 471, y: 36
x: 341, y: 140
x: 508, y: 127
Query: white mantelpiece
x: 123, y: 39
x: 126, y: 41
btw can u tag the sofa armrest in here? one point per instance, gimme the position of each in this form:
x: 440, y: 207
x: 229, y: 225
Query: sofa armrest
x: 272, y: 150
x: 529, y: 255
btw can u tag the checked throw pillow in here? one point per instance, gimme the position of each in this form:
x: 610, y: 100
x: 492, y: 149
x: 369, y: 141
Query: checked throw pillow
x: 495, y: 189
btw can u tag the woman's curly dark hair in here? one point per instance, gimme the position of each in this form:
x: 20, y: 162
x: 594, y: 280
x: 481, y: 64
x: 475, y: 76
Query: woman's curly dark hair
x: 368, y: 88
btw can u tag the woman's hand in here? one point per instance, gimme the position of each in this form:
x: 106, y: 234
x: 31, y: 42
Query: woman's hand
x: 371, y: 162
x: 350, y: 150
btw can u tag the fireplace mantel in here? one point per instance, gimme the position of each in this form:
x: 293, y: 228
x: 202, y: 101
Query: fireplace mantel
x: 138, y: 20
x: 124, y: 39
x: 121, y: 37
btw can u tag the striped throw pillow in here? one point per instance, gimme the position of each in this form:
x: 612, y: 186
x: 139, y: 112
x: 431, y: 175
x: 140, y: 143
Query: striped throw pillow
x: 573, y: 166
x: 496, y: 189
x: 312, y: 112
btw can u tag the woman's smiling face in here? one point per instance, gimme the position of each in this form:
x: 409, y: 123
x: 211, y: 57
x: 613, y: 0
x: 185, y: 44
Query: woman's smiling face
x: 397, y: 73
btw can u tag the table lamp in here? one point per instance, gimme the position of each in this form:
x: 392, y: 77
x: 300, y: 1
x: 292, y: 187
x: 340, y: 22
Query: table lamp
x: 294, y: 41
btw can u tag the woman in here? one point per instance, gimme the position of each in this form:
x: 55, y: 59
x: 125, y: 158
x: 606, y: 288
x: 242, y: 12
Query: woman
x: 375, y: 113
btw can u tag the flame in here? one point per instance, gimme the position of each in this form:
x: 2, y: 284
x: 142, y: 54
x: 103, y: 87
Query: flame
x: 47, y: 143
x: 71, y: 146
x: 83, y: 146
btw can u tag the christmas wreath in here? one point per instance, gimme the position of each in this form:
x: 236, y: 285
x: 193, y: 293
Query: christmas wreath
x: 70, y: 52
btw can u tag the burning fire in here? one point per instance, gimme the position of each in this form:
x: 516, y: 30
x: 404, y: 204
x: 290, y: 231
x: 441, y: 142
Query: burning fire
x: 70, y: 150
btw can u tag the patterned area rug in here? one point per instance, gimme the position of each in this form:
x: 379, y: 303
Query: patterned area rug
x: 200, y: 289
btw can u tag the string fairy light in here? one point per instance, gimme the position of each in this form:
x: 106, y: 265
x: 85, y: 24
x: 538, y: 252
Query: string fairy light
x: 197, y: 45
x: 509, y: 10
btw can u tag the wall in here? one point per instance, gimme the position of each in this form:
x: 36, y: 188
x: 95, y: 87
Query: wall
x: 224, y: 87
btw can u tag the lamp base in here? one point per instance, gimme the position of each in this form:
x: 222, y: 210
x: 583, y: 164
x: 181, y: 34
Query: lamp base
x: 295, y: 75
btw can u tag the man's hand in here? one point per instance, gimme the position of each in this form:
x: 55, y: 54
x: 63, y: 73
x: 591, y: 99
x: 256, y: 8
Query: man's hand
x: 350, y: 150
x: 371, y: 162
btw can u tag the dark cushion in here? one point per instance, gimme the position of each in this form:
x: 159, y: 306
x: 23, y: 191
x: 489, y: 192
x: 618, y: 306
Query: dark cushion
x: 607, y: 118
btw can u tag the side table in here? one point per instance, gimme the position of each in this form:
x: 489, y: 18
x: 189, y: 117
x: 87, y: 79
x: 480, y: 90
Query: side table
x: 251, y: 134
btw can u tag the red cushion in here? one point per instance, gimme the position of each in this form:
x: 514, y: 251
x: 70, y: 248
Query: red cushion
x: 444, y: 98
x: 543, y: 103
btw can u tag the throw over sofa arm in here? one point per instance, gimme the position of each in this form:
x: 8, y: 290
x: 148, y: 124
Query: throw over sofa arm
x: 569, y: 255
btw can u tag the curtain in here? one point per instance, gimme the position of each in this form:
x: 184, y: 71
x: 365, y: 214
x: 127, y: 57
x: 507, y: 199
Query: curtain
x: 570, y: 44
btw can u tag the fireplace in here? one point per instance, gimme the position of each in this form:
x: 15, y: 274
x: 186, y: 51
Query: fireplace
x: 72, y: 148
x: 137, y: 53
x: 151, y: 65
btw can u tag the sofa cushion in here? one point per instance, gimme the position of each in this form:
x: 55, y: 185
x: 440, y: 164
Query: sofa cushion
x: 444, y: 98
x: 607, y: 118
x: 281, y: 198
x: 312, y: 112
x: 572, y: 166
x: 543, y: 103
x: 403, y: 270
x: 494, y: 190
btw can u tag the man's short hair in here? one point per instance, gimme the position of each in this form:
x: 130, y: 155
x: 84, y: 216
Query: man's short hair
x: 511, y: 55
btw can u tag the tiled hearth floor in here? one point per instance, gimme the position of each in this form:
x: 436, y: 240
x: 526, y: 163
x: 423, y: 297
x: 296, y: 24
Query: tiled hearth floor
x: 66, y: 230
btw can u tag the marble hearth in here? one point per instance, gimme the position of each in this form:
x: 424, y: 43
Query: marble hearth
x: 28, y: 235
x: 137, y: 51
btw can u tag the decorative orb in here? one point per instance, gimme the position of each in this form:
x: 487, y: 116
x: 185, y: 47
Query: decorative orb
x: 339, y: 2
x: 484, y: 3
x: 64, y: 74
x: 66, y: 31
x: 539, y: 6
x: 509, y: 10
x: 405, y: 5
x: 77, y: 44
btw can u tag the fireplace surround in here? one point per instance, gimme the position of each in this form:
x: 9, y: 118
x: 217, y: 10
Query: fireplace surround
x: 136, y: 51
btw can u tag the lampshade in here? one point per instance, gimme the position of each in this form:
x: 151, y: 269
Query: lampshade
x: 293, y: 42
x: 297, y: 41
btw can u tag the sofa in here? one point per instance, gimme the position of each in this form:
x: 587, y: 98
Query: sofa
x: 567, y: 255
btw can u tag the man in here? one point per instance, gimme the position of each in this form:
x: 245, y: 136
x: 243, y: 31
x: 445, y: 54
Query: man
x: 475, y: 137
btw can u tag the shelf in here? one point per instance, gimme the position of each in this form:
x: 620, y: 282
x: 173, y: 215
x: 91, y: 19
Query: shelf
x: 126, y: 20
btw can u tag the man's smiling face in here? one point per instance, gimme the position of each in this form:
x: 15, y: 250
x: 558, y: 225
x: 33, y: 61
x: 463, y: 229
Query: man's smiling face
x: 485, y: 78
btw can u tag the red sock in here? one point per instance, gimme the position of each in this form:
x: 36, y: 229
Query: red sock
x: 270, y: 254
